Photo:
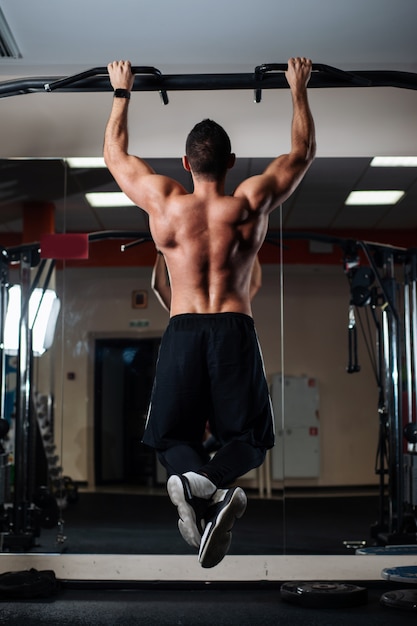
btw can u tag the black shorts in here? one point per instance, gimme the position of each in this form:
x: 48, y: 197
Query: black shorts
x: 210, y: 368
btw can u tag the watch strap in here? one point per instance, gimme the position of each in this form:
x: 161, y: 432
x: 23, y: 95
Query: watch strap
x: 122, y: 93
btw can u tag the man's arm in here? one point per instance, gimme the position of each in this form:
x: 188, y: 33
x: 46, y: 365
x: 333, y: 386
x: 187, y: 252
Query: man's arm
x: 282, y: 176
x: 135, y: 177
x: 160, y: 282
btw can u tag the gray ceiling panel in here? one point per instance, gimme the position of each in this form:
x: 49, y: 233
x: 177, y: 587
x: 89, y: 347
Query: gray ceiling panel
x: 353, y: 124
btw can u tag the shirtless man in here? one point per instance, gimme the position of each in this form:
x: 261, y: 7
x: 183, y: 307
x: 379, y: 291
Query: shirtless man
x: 209, y: 362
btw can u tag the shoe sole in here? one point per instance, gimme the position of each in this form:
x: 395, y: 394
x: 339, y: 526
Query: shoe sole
x: 217, y: 535
x: 187, y: 525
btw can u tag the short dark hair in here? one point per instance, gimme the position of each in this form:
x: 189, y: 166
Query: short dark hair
x: 208, y: 150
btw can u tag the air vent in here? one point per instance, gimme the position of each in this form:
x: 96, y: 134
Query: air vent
x: 8, y: 45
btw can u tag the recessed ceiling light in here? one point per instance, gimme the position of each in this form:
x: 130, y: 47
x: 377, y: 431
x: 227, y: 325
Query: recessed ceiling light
x: 109, y: 199
x: 396, y: 161
x: 86, y: 162
x: 385, y: 196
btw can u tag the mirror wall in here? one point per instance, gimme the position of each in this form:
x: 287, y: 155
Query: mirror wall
x: 92, y: 387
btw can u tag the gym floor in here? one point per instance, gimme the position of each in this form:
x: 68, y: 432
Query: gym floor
x: 98, y: 523
x: 236, y: 605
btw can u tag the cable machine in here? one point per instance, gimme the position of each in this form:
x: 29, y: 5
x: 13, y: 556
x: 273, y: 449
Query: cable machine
x: 383, y: 282
x: 388, y: 288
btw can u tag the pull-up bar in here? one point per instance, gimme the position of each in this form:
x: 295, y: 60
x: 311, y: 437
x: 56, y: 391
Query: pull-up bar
x: 266, y: 76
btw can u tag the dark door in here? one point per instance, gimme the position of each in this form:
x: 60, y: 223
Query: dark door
x: 124, y: 372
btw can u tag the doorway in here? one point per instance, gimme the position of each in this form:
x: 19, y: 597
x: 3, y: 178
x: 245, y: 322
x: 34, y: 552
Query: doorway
x: 123, y: 376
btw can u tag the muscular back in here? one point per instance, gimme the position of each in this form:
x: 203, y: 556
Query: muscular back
x: 209, y: 242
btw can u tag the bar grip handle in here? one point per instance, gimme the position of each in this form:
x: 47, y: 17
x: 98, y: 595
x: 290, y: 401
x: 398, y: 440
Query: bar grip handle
x: 100, y: 71
x: 348, y: 77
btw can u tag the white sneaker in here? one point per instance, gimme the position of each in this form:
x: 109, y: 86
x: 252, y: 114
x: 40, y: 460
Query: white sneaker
x: 228, y: 506
x: 191, y: 493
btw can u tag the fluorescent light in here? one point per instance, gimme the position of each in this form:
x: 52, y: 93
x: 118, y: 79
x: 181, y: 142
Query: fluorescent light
x: 43, y: 313
x: 86, y: 162
x: 379, y: 197
x: 116, y: 198
x: 396, y: 161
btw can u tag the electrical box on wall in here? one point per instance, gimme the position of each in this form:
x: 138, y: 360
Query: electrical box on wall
x: 296, y: 407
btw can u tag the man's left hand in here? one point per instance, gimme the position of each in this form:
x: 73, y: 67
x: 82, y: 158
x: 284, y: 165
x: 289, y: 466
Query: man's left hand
x: 120, y: 73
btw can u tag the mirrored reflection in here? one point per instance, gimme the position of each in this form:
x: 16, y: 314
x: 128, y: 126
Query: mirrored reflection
x: 345, y: 380
x: 89, y: 484
x: 112, y: 325
x: 30, y: 308
x: 328, y: 439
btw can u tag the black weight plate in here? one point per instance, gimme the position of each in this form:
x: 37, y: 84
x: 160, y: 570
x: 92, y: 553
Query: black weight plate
x: 324, y: 595
x: 405, y: 599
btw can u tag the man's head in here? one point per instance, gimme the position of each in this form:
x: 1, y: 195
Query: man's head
x: 208, y: 151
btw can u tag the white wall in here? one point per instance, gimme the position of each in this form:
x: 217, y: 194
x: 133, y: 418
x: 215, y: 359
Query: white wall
x: 315, y: 305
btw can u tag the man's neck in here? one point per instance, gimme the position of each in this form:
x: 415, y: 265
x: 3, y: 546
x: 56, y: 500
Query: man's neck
x: 208, y: 188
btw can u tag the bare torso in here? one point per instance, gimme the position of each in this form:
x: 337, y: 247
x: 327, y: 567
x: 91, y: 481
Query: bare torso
x: 209, y: 242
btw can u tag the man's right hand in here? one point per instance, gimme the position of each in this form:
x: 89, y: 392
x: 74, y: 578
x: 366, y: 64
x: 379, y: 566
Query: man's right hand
x: 120, y: 73
x: 299, y: 72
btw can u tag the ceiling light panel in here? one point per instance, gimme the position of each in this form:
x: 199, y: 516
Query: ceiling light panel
x: 396, y: 161
x: 376, y: 197
x: 109, y: 199
x: 85, y: 162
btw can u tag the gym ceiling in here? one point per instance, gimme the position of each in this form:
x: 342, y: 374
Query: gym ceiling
x: 354, y: 123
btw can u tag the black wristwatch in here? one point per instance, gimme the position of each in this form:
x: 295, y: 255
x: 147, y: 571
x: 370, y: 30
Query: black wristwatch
x: 122, y: 93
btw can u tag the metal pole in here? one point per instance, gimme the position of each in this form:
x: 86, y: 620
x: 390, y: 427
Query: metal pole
x: 3, y: 310
x: 413, y: 398
x: 392, y: 345
x: 22, y: 426
x: 407, y: 345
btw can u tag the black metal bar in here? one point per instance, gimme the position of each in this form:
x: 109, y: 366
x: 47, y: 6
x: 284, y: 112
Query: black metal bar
x: 345, y: 77
x: 120, y: 234
x: 392, y: 339
x: 97, y: 80
x: 97, y: 71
